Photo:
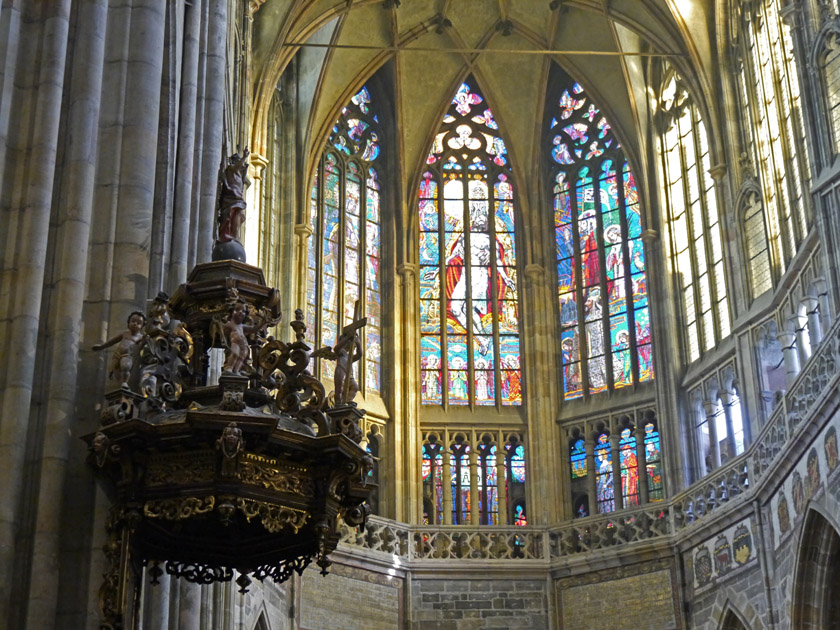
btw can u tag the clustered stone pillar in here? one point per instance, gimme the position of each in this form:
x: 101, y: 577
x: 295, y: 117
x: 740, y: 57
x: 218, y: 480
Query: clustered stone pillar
x: 592, y: 473
x: 641, y: 458
x: 789, y: 353
x: 447, y: 476
x: 615, y: 456
x: 710, y: 407
x: 501, y: 472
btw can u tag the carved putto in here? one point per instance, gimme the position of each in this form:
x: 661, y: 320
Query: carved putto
x: 122, y: 360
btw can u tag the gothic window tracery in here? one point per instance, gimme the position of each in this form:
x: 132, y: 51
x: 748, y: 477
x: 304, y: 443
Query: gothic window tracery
x: 473, y: 474
x: 602, y: 287
x: 830, y: 70
x: 344, y: 250
x: 771, y: 100
x: 469, y: 311
x: 693, y: 219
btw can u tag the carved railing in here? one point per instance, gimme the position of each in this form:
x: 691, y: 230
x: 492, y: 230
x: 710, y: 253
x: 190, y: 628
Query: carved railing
x: 818, y: 378
x: 488, y: 543
x: 380, y: 535
x: 711, y: 493
x: 610, y: 530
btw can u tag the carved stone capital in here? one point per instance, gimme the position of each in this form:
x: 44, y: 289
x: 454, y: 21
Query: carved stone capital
x: 534, y: 272
x: 718, y: 171
x: 303, y: 231
x: 650, y: 236
x: 407, y: 270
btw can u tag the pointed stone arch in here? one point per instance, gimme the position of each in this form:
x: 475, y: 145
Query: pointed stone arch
x: 816, y: 585
x: 733, y: 621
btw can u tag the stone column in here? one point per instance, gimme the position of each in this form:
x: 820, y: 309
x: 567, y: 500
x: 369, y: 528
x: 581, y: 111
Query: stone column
x: 714, y: 445
x: 184, y: 165
x: 254, y: 220
x: 67, y: 299
x: 501, y: 476
x: 618, y: 489
x: 447, y: 481
x: 27, y: 194
x: 791, y: 357
x: 820, y: 286
x: 812, y: 311
x: 406, y: 402
x: 303, y: 232
x: 641, y: 458
x: 211, y: 145
x: 803, y: 343
x: 726, y: 398
x: 591, y: 475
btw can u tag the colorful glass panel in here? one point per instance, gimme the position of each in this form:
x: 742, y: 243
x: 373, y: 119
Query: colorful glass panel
x: 601, y: 284
x: 343, y: 260
x: 520, y: 519
x: 629, y: 468
x: 468, y: 277
x: 653, y: 462
x: 604, y: 478
x: 517, y: 464
x: 577, y: 455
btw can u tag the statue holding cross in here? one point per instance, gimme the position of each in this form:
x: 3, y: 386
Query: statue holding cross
x: 347, y: 350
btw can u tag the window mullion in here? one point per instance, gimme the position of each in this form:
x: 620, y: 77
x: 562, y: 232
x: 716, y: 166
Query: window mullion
x: 629, y: 297
x: 606, y: 338
x: 583, y: 354
x: 494, y: 292
x: 444, y: 337
x: 469, y: 297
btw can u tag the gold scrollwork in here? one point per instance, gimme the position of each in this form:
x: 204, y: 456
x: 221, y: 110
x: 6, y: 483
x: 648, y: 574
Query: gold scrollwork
x: 274, y: 518
x: 180, y: 469
x: 255, y: 473
x: 178, y: 509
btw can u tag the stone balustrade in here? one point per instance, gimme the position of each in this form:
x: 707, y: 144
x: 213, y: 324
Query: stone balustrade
x: 734, y: 482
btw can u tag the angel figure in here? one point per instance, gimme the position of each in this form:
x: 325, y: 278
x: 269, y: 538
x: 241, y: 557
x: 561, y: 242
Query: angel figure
x: 347, y: 350
x: 122, y: 360
x: 235, y: 331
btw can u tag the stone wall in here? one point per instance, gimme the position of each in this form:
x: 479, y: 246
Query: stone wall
x: 478, y: 604
x: 630, y: 597
x: 349, y: 597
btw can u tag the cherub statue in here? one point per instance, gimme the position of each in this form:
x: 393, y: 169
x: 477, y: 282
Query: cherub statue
x: 232, y: 197
x: 235, y: 330
x: 123, y: 358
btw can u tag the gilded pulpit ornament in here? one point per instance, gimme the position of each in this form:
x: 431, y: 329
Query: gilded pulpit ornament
x: 248, y: 478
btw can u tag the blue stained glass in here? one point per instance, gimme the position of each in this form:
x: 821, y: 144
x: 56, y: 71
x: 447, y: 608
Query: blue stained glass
x: 429, y: 283
x: 362, y: 99
x: 482, y: 355
x: 429, y: 248
x: 578, y: 459
x: 428, y: 216
x: 604, y: 479
x: 560, y: 153
x: 504, y: 216
x: 577, y: 132
x: 356, y: 128
x: 592, y: 228
x: 517, y: 464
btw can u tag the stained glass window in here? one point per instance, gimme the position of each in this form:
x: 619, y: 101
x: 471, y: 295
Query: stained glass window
x: 578, y: 459
x: 629, y: 467
x: 653, y: 463
x: 604, y: 478
x: 694, y: 222
x: 432, y: 474
x: 469, y: 312
x: 770, y: 88
x: 343, y: 262
x: 831, y: 77
x: 459, y: 462
x: 602, y: 287
x: 520, y: 519
x: 488, y: 490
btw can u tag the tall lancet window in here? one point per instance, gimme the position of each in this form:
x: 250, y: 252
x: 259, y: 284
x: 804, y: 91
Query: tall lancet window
x: 468, y: 277
x: 344, y: 250
x: 773, y: 113
x: 694, y: 221
x: 604, y: 318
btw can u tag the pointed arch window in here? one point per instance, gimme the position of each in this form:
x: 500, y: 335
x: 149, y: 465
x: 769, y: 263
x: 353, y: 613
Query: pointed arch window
x: 830, y: 70
x: 343, y: 262
x: 605, y: 333
x: 695, y: 228
x: 469, y: 308
x: 772, y: 102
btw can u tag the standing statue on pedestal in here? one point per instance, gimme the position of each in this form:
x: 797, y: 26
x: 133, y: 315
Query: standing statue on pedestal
x: 231, y: 213
x: 122, y: 360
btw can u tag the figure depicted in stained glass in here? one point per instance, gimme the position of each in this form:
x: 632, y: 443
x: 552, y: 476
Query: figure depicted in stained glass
x: 467, y: 258
x: 605, y: 482
x: 343, y: 262
x: 600, y: 258
x: 629, y: 468
x: 519, y: 517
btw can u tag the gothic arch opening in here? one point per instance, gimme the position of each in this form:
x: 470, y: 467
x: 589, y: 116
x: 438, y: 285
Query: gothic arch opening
x: 732, y: 621
x: 816, y: 588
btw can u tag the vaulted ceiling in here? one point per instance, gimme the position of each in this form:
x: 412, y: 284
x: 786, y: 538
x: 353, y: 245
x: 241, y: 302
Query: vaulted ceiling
x: 508, y: 45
